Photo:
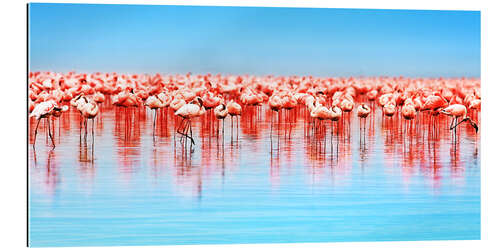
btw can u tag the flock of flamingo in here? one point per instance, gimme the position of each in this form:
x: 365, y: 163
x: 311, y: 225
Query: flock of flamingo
x: 419, y: 101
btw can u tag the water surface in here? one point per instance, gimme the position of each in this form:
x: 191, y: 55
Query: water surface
x: 298, y: 184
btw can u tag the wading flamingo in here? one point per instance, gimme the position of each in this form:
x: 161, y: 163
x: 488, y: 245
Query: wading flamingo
x: 233, y: 109
x: 88, y: 110
x: 458, y: 111
x: 221, y: 113
x: 154, y: 102
x: 363, y: 111
x: 187, y: 112
x: 45, y: 110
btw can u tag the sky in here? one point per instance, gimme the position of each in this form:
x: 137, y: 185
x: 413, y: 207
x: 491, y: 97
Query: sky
x: 253, y: 40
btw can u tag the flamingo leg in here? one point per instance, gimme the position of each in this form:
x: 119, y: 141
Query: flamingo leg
x: 184, y: 133
x: 80, y: 128
x: 186, y: 129
x: 86, y: 130
x: 454, y: 127
x: 271, y: 131
x: 278, y: 130
x: 36, y: 131
x: 364, y: 126
x: 154, y: 124
x: 324, y: 140
x: 218, y: 129
x: 183, y: 127
x: 360, y: 127
x: 50, y: 134
x: 455, y: 130
x: 191, y: 132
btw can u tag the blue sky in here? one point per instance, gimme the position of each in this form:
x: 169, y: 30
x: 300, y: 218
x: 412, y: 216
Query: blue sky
x: 248, y: 40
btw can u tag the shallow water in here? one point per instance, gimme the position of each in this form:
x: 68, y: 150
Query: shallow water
x: 121, y: 187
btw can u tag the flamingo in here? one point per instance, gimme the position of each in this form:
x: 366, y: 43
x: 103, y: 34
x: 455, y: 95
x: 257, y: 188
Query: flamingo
x: 221, y: 113
x: 289, y: 103
x: 372, y: 94
x: 276, y: 104
x: 321, y: 112
x: 435, y: 103
x: 187, y: 112
x: 233, y: 109
x: 363, y: 111
x: 45, y: 110
x: 458, y: 111
x: 154, y: 102
x: 126, y: 98
x: 389, y: 109
x: 177, y: 103
x: 99, y: 97
x: 335, y: 115
x: 409, y: 112
x: 346, y: 105
x: 88, y: 110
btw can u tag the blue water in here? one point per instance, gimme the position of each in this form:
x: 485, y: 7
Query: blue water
x: 128, y: 191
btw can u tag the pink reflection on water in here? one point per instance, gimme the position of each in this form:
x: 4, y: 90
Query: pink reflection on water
x: 328, y: 152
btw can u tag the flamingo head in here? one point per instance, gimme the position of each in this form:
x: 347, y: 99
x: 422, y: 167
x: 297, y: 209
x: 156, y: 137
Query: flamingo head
x: 446, y: 112
x: 472, y: 123
x: 199, y: 101
x: 223, y: 106
x: 209, y: 85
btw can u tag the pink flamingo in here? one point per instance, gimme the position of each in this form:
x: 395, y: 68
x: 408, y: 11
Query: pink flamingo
x: 154, y: 102
x: 458, y: 111
x: 363, y: 111
x: 221, y: 113
x: 187, y: 112
x: 233, y: 109
x: 45, y: 110
x: 88, y: 110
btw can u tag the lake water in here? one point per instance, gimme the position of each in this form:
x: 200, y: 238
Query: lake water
x: 121, y: 187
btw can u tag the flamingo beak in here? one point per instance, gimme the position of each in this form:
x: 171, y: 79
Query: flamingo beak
x: 474, y: 125
x: 444, y: 112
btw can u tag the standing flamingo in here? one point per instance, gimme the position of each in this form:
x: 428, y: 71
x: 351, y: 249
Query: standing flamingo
x: 289, y: 103
x: 45, y: 110
x: 276, y: 104
x: 221, y: 113
x: 187, y: 112
x: 233, y: 109
x: 154, y: 102
x: 409, y: 112
x: 458, y: 111
x: 389, y: 109
x: 363, y: 111
x: 88, y: 110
